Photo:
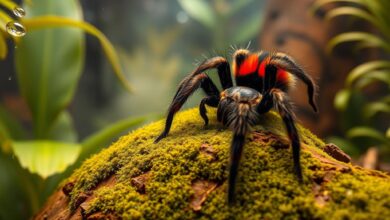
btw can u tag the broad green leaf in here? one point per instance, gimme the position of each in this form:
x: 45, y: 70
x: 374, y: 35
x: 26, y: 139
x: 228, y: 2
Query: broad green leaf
x: 365, y: 69
x: 46, y: 157
x: 93, y: 142
x: 369, y: 39
x: 367, y: 132
x: 57, y: 21
x: 49, y: 64
x: 373, y: 108
x: 342, y: 99
x: 388, y: 133
x: 201, y: 11
x: 63, y: 129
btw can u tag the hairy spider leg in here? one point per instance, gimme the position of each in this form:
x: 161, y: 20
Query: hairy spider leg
x: 286, y: 63
x: 192, y: 82
x: 235, y: 156
x: 279, y: 100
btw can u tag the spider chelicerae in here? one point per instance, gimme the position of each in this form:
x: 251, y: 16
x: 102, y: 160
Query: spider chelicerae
x: 262, y: 82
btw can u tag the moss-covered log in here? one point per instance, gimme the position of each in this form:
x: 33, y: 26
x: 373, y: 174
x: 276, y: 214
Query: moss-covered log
x: 184, y: 177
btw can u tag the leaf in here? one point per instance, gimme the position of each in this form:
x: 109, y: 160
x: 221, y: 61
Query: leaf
x: 372, y: 77
x: 3, y: 47
x: 49, y: 64
x: 366, y: 132
x: 320, y: 3
x: 342, y: 99
x: 93, y: 142
x: 8, y: 4
x: 357, y: 12
x: 368, y: 39
x: 19, y: 198
x: 46, y: 157
x: 57, y: 21
x: 63, y: 129
x: 201, y: 11
x: 374, y: 108
x: 10, y: 128
x: 364, y: 69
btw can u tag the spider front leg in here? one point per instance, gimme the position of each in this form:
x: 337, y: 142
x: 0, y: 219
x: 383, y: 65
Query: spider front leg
x: 279, y: 100
x: 285, y: 62
x: 192, y: 82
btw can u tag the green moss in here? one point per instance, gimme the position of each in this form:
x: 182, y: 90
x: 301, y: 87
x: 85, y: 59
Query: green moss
x: 267, y: 187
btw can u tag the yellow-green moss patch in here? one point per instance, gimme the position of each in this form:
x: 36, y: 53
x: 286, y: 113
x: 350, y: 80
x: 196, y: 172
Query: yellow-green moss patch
x: 266, y: 189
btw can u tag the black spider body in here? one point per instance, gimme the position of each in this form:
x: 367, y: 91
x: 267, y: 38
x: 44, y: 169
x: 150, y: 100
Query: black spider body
x: 263, y: 80
x: 237, y: 108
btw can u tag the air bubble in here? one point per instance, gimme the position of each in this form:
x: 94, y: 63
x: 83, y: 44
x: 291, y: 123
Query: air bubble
x: 15, y: 29
x: 19, y: 12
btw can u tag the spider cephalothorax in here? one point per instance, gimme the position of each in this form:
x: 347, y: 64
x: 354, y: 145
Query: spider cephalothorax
x: 263, y: 80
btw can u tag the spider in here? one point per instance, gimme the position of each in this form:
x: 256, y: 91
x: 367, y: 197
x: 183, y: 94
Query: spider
x: 263, y: 80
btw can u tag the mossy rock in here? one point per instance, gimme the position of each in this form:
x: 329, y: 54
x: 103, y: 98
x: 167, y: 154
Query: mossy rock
x: 184, y: 177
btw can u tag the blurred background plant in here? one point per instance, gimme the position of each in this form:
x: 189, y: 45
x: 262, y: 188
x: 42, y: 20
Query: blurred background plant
x: 48, y: 62
x: 364, y: 102
x: 52, y: 117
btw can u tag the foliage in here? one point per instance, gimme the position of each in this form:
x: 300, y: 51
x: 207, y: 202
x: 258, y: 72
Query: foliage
x: 219, y: 17
x: 359, y: 111
x: 49, y: 62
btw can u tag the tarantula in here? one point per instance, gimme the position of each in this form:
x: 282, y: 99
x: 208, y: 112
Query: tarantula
x: 263, y: 80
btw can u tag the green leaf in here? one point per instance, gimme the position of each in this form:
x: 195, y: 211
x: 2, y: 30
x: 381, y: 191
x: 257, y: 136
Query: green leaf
x: 320, y: 3
x: 49, y: 64
x: 3, y: 47
x: 10, y: 128
x: 373, y: 77
x: 357, y: 12
x: 376, y: 107
x: 46, y: 157
x: 342, y: 99
x: 369, y: 40
x: 366, y: 69
x: 63, y: 129
x: 367, y: 132
x: 108, y: 48
x: 19, y: 197
x: 8, y: 4
x: 201, y: 11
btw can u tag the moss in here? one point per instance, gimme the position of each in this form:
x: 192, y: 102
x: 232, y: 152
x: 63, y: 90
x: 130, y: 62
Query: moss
x: 267, y: 187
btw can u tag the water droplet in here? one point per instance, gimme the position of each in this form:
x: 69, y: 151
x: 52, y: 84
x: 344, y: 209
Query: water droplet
x: 19, y: 12
x: 15, y: 29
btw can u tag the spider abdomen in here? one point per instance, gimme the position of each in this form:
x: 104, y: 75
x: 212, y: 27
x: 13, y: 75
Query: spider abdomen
x: 236, y: 108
